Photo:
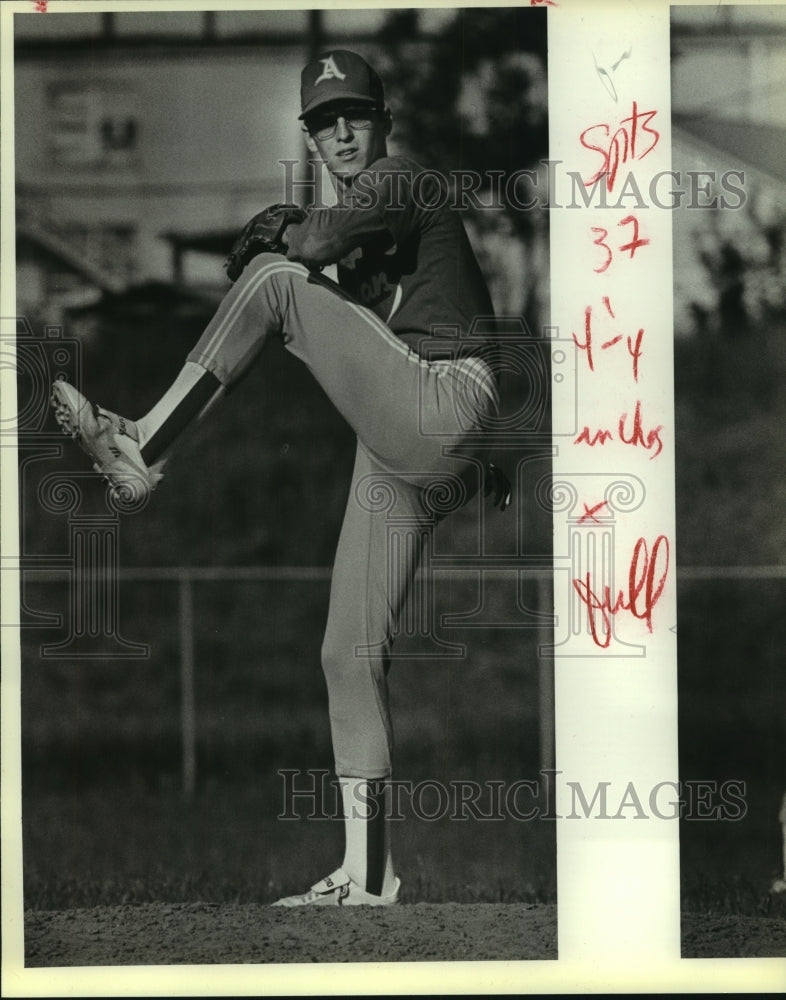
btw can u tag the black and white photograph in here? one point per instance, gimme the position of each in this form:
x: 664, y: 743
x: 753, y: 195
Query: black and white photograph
x: 286, y: 577
x: 393, y: 555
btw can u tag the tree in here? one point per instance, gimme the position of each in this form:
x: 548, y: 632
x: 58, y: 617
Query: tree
x: 474, y: 98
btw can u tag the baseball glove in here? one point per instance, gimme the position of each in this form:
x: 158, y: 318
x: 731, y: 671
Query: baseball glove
x: 262, y: 235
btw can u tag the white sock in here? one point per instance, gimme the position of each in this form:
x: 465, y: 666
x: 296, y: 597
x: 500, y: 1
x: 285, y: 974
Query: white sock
x: 367, y: 856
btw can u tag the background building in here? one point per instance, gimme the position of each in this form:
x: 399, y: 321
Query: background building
x: 141, y: 134
x: 144, y: 141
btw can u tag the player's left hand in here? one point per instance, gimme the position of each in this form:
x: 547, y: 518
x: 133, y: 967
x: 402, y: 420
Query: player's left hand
x: 497, y: 485
x: 262, y: 234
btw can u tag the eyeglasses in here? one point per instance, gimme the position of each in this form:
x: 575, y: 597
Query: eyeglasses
x: 324, y: 126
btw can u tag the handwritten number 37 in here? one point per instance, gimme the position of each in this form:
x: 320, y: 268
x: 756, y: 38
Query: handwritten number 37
x: 630, y: 247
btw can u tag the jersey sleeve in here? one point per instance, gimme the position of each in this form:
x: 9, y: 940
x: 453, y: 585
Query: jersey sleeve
x: 382, y: 207
x: 328, y: 234
x: 407, y: 194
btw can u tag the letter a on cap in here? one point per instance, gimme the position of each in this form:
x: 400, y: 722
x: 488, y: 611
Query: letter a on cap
x: 330, y: 71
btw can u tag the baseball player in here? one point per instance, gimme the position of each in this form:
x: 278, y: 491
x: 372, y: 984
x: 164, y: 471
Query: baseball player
x: 386, y: 345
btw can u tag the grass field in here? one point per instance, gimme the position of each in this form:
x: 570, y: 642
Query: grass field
x: 104, y: 817
x: 113, y: 846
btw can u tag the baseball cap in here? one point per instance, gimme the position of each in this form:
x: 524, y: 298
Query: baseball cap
x: 339, y: 75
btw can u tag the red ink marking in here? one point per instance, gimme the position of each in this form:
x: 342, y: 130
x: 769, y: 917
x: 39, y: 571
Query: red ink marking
x: 543, y: 3
x: 40, y: 6
x: 599, y: 243
x: 587, y: 345
x: 622, y: 146
x: 636, y: 242
x: 643, y: 592
x: 633, y: 349
x: 635, y: 353
x: 634, y: 133
x: 636, y: 436
x: 590, y: 512
x: 629, y: 248
x: 600, y: 437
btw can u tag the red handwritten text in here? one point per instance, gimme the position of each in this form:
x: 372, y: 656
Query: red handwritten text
x: 634, y: 435
x: 646, y: 581
x: 636, y: 241
x: 634, y: 346
x: 40, y: 6
x: 635, y: 352
x: 633, y: 140
x: 631, y: 247
x: 601, y: 242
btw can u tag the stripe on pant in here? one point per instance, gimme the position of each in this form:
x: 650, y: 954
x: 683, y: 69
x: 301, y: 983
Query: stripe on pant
x: 474, y: 369
x: 197, y: 397
x: 375, y: 838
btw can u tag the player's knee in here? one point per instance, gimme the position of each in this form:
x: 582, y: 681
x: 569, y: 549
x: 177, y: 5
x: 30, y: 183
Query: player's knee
x: 335, y: 652
x: 272, y: 276
x: 263, y: 262
x: 344, y: 657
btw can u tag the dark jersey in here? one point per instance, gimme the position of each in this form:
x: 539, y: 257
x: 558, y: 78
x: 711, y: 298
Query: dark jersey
x: 402, y: 251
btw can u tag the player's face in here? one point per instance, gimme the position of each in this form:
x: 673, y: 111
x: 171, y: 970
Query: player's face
x: 348, y: 137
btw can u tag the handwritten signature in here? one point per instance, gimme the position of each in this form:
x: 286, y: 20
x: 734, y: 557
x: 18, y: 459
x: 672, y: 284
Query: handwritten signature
x: 646, y: 581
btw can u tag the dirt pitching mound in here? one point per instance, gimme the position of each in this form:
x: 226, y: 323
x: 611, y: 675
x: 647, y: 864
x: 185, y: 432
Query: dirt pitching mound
x: 217, y: 933
x: 200, y: 934
x: 730, y: 935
